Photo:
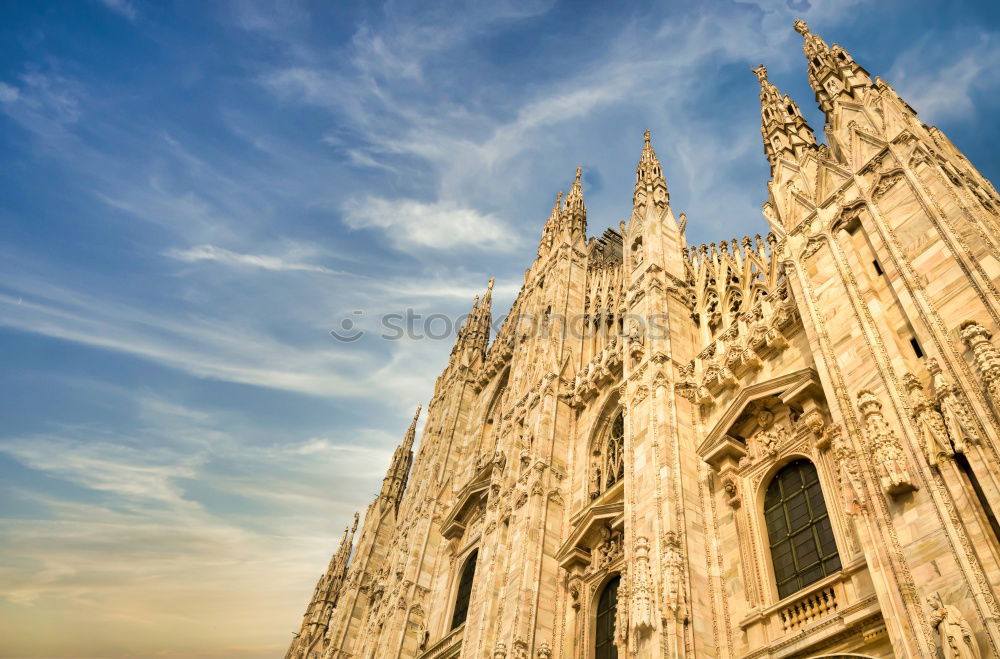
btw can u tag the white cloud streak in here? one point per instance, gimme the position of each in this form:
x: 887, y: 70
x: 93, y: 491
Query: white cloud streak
x: 122, y: 7
x: 945, y: 92
x: 226, y: 257
x: 440, y: 225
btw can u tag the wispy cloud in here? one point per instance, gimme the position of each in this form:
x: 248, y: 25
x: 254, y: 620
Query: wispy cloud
x: 262, y: 261
x: 200, y: 346
x: 440, y: 225
x: 946, y: 92
x: 109, y: 467
x: 8, y: 93
x: 122, y: 7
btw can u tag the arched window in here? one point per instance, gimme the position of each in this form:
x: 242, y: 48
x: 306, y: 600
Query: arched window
x: 803, y: 550
x: 614, y: 450
x: 607, y: 609
x: 490, y: 423
x: 464, y: 590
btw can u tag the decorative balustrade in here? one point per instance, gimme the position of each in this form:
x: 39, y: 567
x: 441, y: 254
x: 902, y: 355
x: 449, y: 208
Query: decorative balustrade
x: 801, y: 623
x: 448, y: 647
x: 813, y: 606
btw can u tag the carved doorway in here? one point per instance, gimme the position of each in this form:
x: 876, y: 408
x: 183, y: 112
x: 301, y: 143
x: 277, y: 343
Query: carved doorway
x: 607, y: 610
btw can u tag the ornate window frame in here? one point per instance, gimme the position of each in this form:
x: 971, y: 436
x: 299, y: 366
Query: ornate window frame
x: 489, y: 424
x: 471, y: 555
x: 589, y: 570
x: 800, y: 426
x: 598, y: 488
x: 825, y: 489
x: 613, y: 450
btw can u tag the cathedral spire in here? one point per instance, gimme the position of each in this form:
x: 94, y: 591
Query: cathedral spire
x: 474, y: 335
x: 833, y: 73
x: 412, y: 431
x: 551, y: 227
x: 344, y: 550
x: 395, y: 478
x: 782, y: 125
x: 478, y: 324
x: 338, y: 562
x: 575, y: 211
x: 488, y: 296
x: 649, y: 181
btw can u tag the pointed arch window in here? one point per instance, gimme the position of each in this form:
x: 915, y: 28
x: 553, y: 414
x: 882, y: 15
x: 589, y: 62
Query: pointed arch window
x: 490, y: 423
x: 614, y: 452
x: 803, y: 549
x: 607, y: 609
x: 464, y: 590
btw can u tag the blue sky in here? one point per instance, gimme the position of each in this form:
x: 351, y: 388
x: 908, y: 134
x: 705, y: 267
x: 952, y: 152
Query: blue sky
x: 193, y: 194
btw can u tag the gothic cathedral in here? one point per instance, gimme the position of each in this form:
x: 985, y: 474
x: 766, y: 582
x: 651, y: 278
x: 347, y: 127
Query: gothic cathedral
x: 777, y: 447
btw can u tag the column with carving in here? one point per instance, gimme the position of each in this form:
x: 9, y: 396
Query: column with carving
x: 957, y: 418
x: 930, y: 425
x: 986, y: 358
x: 888, y: 458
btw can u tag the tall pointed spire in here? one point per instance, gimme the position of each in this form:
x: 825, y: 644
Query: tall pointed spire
x: 576, y: 211
x: 344, y: 549
x: 474, y: 334
x: 832, y: 71
x: 463, y: 331
x: 488, y: 296
x: 396, y: 476
x: 478, y: 324
x: 649, y: 181
x: 330, y: 581
x: 782, y: 125
x: 551, y: 227
x: 412, y: 431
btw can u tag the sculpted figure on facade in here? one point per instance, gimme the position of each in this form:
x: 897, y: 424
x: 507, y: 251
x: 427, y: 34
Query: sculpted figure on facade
x: 674, y: 581
x: 887, y: 453
x: 643, y: 589
x: 730, y: 484
x: 954, y: 633
x: 930, y: 425
x: 955, y: 415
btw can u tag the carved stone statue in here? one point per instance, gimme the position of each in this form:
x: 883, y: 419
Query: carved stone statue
x: 954, y: 633
x: 621, y: 616
x: 930, y: 425
x: 642, y: 596
x: 986, y: 356
x: 887, y: 453
x: 595, y: 480
x: 674, y: 580
x: 957, y: 419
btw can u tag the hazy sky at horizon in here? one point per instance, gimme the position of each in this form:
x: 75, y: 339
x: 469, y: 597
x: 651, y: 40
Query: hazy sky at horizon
x: 193, y: 195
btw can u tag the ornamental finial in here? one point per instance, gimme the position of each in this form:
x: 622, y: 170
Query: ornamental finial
x: 801, y: 27
x: 760, y: 72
